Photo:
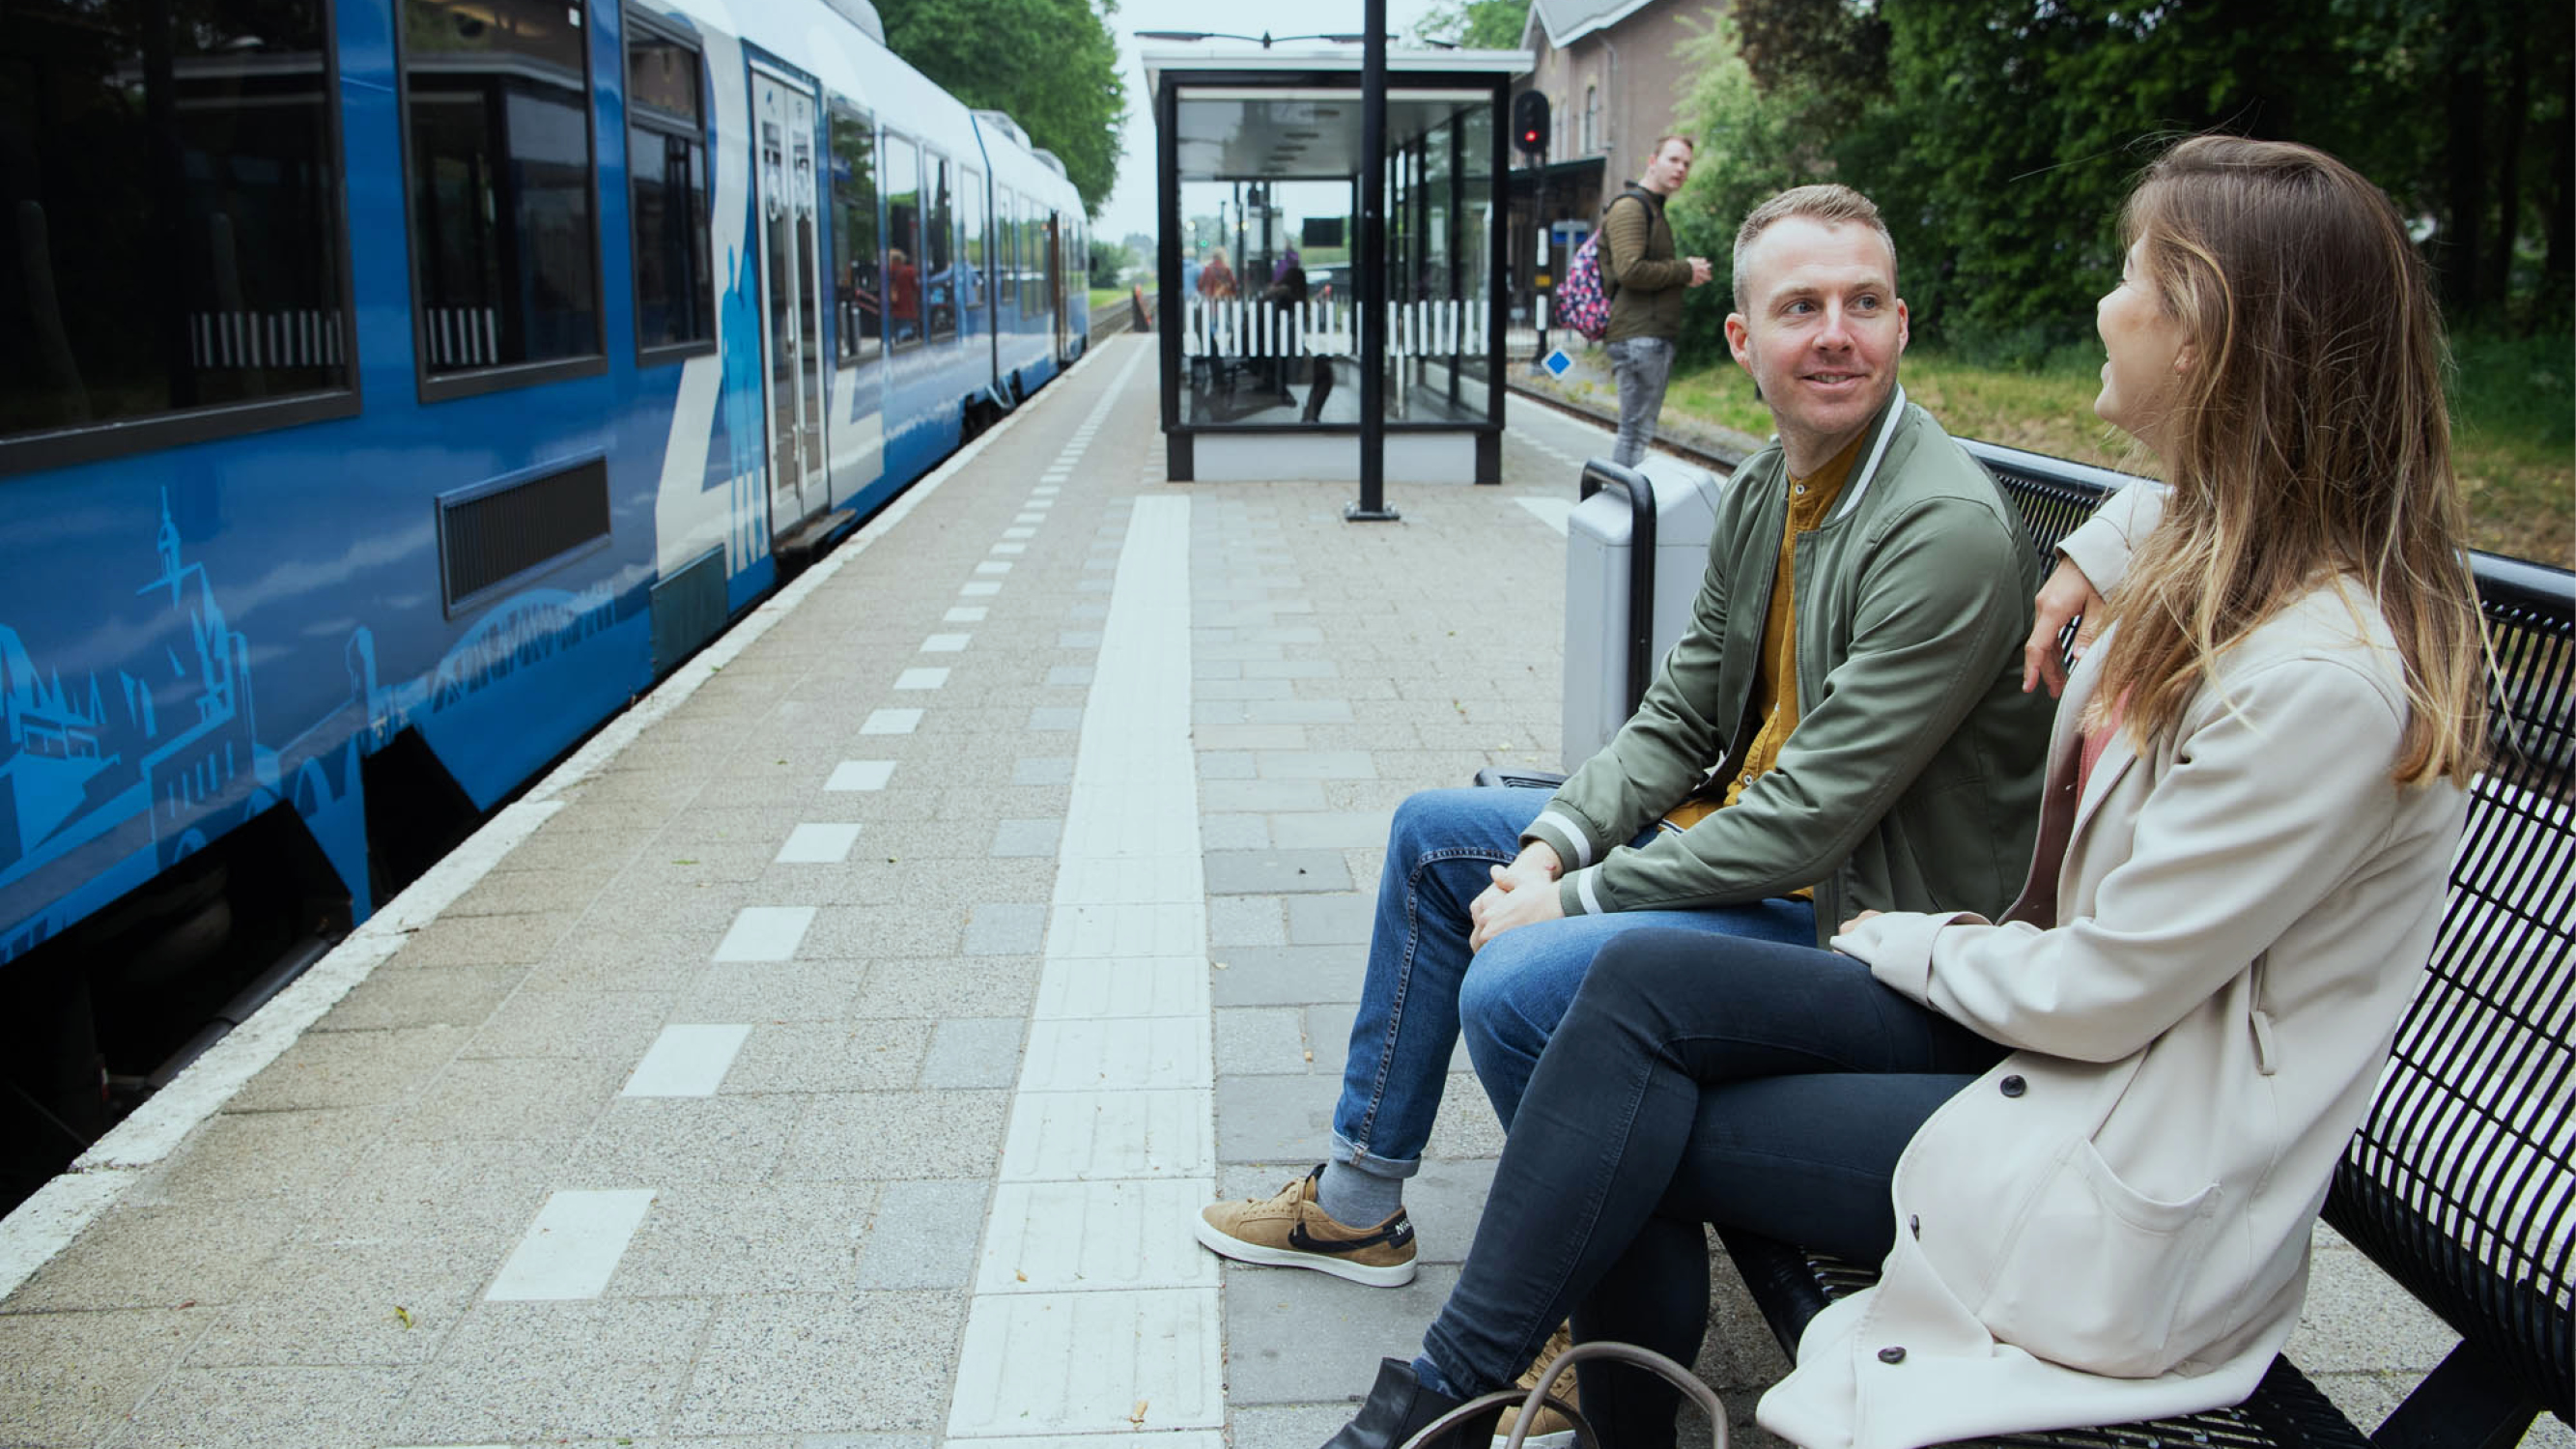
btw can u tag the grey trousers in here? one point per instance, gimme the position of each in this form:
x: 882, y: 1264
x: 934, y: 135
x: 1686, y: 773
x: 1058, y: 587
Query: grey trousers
x: 1641, y: 366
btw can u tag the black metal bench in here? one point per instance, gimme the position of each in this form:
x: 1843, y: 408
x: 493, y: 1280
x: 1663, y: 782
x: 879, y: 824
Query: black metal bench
x: 2461, y: 1182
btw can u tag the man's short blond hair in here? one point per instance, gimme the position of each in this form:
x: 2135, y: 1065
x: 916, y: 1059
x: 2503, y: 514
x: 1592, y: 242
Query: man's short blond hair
x: 1829, y: 203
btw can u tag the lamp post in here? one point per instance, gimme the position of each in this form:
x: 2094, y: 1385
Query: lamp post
x: 1368, y: 269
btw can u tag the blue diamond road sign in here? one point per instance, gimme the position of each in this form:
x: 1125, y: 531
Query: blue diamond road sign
x: 1556, y: 362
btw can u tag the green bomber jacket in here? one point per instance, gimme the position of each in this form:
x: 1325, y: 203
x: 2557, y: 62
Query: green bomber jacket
x: 1912, y: 779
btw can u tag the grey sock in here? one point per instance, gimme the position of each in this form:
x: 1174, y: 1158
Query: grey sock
x: 1357, y: 1199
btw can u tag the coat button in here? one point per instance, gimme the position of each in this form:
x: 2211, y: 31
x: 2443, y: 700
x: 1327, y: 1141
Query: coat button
x: 1914, y: 1223
x: 1891, y: 1354
x: 2012, y: 1086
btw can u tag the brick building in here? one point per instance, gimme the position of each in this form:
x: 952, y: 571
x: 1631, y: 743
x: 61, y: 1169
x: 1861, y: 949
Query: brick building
x: 1612, y: 72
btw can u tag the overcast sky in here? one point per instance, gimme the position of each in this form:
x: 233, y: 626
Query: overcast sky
x: 1131, y: 205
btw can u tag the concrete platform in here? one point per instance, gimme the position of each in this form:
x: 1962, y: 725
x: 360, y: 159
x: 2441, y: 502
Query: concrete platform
x: 834, y: 1051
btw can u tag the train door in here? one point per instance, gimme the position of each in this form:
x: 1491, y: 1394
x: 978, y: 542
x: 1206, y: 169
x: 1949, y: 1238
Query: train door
x: 791, y: 325
x: 1055, y: 279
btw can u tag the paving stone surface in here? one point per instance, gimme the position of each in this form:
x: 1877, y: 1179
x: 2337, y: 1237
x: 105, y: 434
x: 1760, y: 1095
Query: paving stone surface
x: 835, y: 1229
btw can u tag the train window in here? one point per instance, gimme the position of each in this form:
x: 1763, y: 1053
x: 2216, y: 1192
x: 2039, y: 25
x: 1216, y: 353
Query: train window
x: 903, y: 240
x: 971, y: 269
x: 1006, y: 246
x: 666, y: 158
x: 504, y: 249
x: 176, y: 253
x: 1032, y: 259
x: 858, y: 278
x: 939, y: 242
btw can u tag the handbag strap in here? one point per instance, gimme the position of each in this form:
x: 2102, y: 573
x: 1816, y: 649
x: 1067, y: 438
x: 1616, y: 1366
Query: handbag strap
x: 1528, y: 1401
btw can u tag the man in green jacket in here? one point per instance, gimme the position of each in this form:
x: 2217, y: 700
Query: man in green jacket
x: 1646, y: 283
x: 1841, y: 728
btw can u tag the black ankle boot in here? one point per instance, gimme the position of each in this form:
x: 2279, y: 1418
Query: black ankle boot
x: 1399, y: 1406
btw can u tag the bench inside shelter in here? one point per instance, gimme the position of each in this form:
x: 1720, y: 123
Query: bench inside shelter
x: 2461, y: 1182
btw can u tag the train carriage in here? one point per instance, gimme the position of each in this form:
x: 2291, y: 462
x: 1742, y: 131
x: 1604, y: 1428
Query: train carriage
x: 396, y: 388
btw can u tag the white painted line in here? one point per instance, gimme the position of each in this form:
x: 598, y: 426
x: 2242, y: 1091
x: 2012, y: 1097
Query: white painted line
x: 860, y: 775
x: 1137, y: 986
x: 1086, y: 1237
x: 921, y: 679
x: 965, y: 614
x: 1028, y: 518
x: 1127, y: 930
x: 47, y: 1222
x: 1039, y: 506
x: 1140, y: 1439
x: 990, y: 567
x: 1134, y: 1054
x: 686, y: 1061
x: 980, y: 589
x: 1019, y: 533
x: 818, y: 844
x: 1010, y: 548
x: 1079, y: 1363
x: 1044, y: 490
x: 947, y: 643
x: 891, y: 722
x: 765, y: 933
x: 1062, y: 1136
x: 571, y: 1250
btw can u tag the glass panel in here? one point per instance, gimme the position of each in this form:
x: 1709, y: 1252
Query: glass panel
x: 662, y: 78
x: 1006, y: 252
x: 903, y: 240
x: 1268, y: 192
x: 972, y: 293
x: 939, y: 276
x: 1029, y: 256
x: 666, y: 159
x: 500, y: 181
x: 857, y: 275
x: 173, y: 236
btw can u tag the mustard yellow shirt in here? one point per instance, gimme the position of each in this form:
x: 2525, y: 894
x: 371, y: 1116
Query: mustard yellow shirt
x: 1775, y: 685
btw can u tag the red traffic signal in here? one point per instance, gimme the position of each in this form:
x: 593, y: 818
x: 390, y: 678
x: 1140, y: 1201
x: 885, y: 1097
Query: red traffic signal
x: 1529, y: 122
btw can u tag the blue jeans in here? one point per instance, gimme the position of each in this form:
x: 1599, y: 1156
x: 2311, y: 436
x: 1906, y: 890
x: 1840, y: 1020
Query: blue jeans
x: 1641, y: 367
x: 1425, y: 988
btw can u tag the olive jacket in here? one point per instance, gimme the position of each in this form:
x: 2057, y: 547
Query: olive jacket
x: 1912, y: 779
x: 1639, y: 269
x: 2200, y: 982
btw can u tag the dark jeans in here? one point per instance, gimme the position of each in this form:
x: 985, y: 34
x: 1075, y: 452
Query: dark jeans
x: 1696, y: 1079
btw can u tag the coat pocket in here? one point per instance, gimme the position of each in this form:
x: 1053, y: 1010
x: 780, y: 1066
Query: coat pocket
x: 2096, y: 1273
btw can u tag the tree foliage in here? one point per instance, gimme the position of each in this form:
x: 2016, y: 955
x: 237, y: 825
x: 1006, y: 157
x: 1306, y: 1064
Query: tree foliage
x: 1999, y: 136
x: 1052, y: 65
x: 1475, y: 24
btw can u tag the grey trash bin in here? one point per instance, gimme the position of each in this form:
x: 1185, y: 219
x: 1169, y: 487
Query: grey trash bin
x: 1601, y: 640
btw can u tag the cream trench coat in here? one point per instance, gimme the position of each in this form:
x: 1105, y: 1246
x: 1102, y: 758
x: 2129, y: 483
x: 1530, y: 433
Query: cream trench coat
x: 2200, y: 983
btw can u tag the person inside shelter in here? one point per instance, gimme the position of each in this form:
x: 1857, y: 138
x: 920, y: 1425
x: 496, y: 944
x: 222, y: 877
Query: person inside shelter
x: 2088, y: 1136
x: 1840, y: 728
x: 903, y: 295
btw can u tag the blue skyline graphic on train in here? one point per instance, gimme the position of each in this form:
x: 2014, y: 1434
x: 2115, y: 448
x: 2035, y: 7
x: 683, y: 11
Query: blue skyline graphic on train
x: 120, y: 773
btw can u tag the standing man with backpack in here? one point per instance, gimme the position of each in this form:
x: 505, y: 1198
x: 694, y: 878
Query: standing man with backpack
x: 1645, y: 282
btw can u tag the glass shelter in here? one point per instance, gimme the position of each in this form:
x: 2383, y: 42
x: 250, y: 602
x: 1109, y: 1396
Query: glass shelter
x: 1259, y: 184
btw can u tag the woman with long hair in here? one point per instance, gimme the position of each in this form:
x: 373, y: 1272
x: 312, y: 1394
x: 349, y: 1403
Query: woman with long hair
x: 2087, y: 1140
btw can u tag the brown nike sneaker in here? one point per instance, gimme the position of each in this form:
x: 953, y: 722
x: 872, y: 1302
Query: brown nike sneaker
x: 1290, y: 1231
x: 1548, y: 1429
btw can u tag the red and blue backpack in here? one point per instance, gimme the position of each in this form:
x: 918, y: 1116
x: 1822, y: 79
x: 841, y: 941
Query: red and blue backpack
x: 1583, y: 298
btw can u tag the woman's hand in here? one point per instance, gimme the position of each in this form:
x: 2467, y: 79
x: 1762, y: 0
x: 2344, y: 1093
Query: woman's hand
x: 1846, y: 926
x: 2067, y: 595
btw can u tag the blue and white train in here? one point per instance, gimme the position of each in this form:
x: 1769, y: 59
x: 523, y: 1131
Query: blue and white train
x: 390, y: 390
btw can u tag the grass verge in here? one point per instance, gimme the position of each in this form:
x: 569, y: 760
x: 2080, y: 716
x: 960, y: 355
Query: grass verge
x: 2513, y: 403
